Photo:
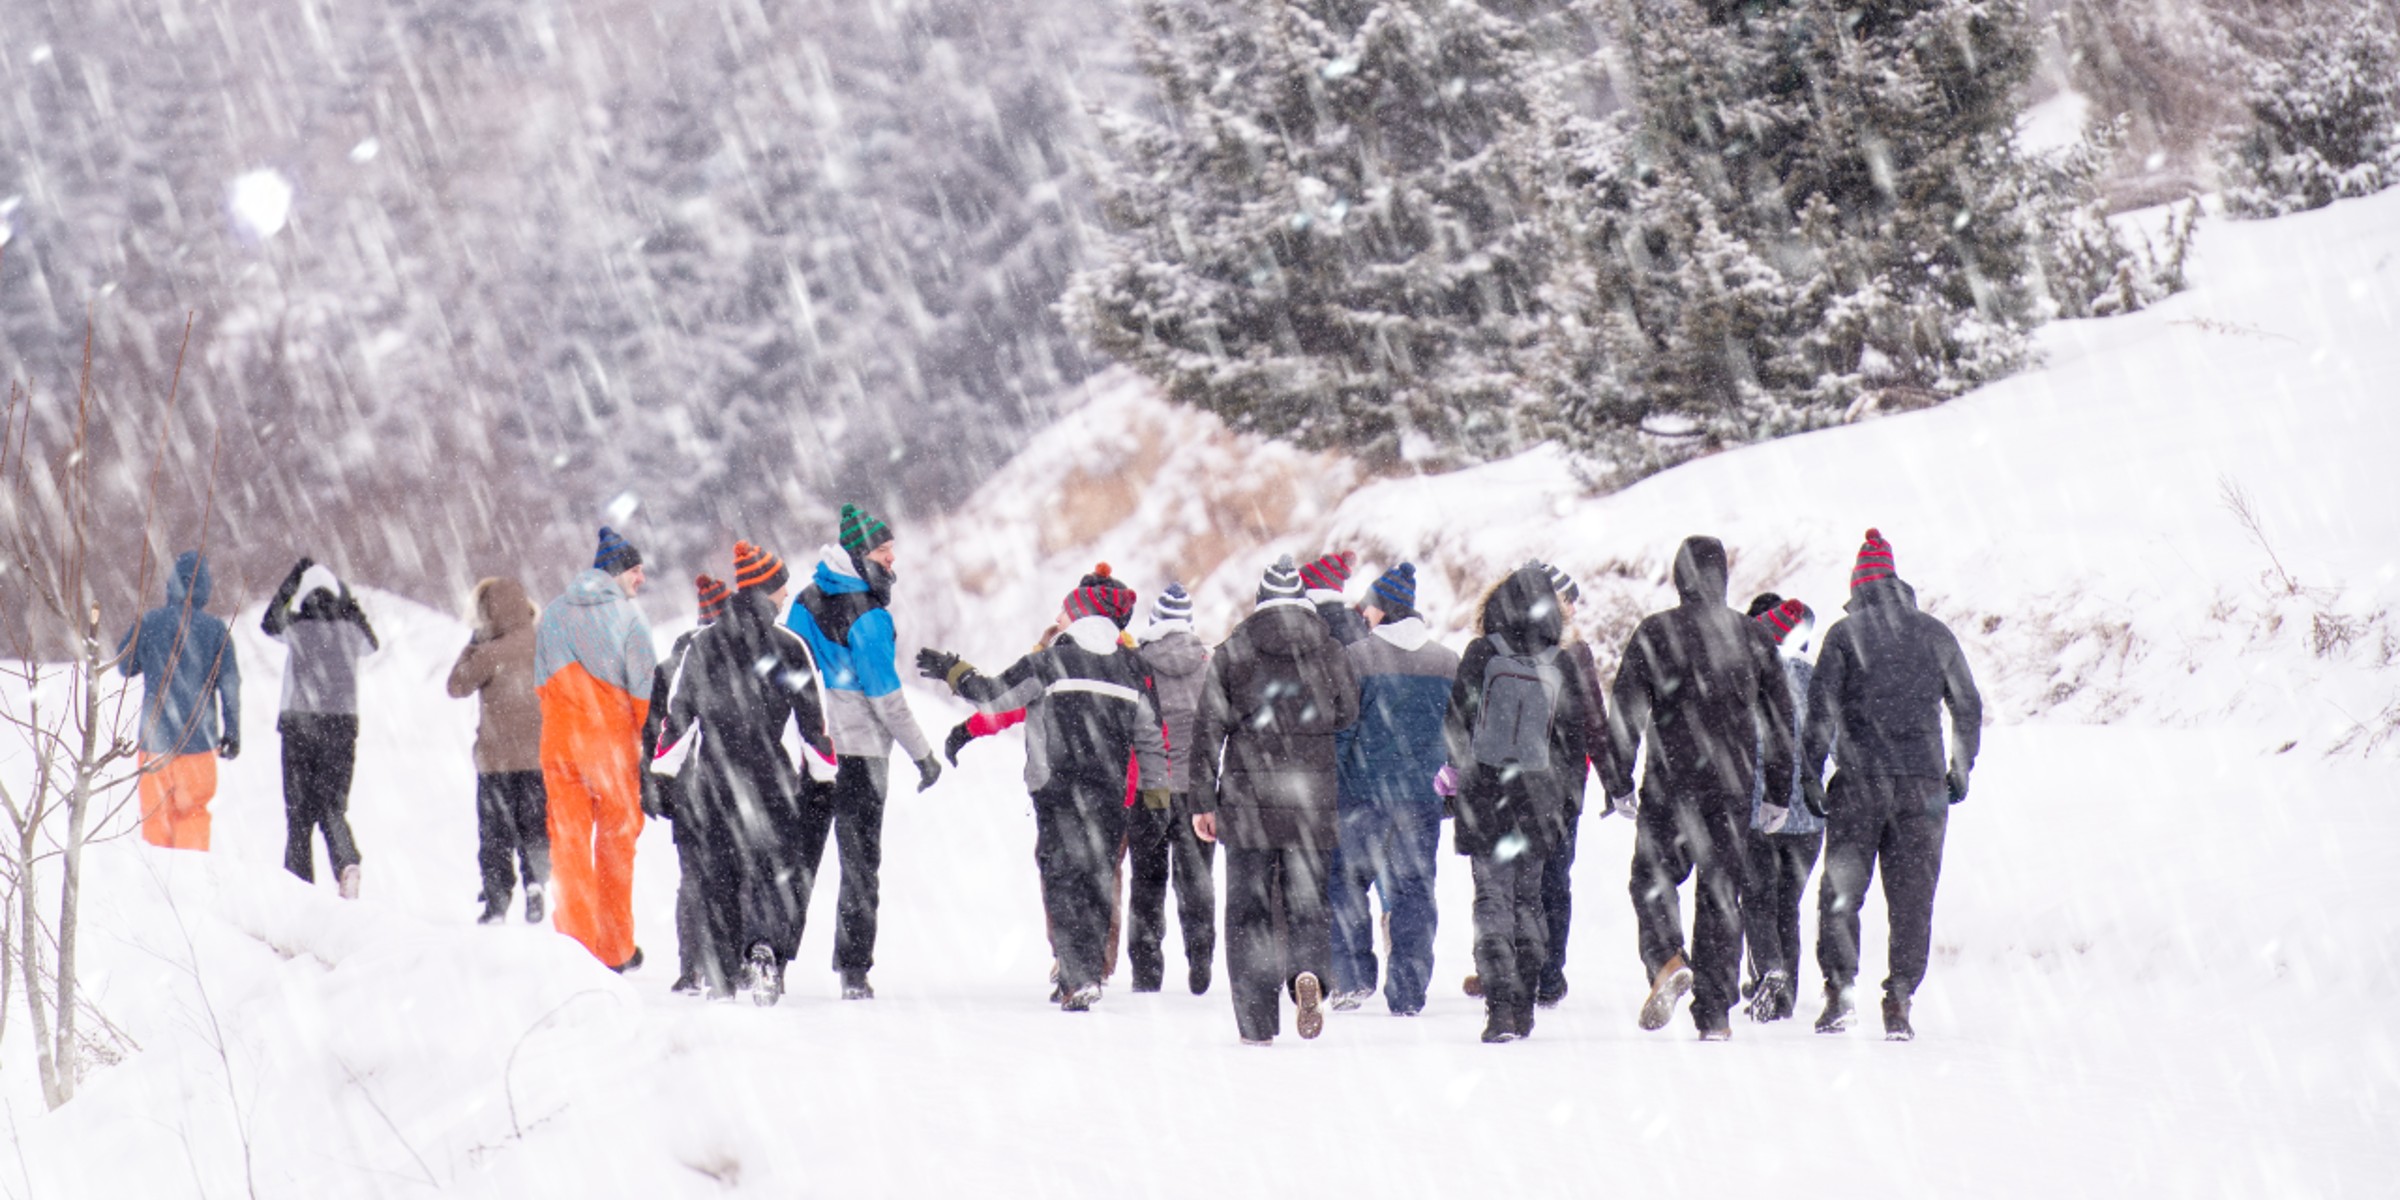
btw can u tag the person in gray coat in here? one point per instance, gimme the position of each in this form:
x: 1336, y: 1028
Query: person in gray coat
x: 315, y: 615
x: 1162, y: 841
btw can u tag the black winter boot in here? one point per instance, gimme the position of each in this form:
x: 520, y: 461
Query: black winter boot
x: 495, y: 909
x: 1500, y: 1024
x: 1838, y: 1009
x: 1895, y: 1019
x: 1202, y: 969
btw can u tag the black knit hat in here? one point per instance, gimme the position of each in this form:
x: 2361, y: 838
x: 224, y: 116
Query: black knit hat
x: 1281, y: 582
x: 615, y: 555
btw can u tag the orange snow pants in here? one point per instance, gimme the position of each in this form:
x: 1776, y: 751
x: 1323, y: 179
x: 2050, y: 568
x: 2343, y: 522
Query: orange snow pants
x: 591, y: 751
x: 175, y: 790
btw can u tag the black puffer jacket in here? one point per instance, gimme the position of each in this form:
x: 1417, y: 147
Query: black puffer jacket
x: 1882, y: 677
x: 1702, y: 684
x: 742, y: 679
x: 1278, y: 691
x: 1534, y: 804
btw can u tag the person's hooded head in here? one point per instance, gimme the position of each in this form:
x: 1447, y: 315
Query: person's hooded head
x: 191, y: 582
x: 501, y: 607
x: 1701, y: 573
x: 1524, y: 611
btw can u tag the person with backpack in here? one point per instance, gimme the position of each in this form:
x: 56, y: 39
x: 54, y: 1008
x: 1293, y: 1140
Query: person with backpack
x: 1325, y: 579
x: 512, y: 812
x: 1886, y: 671
x: 1784, y: 836
x: 1515, y: 737
x: 1162, y: 843
x: 1090, y: 715
x: 1701, y: 685
x: 660, y: 792
x: 1391, y: 819
x: 845, y: 617
x: 740, y: 800
x: 1278, y: 693
x: 315, y: 615
x: 191, y: 706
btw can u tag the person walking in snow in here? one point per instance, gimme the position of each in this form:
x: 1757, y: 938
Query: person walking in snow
x: 845, y: 617
x: 512, y: 811
x: 1163, y: 844
x: 593, y: 665
x: 660, y: 792
x: 315, y: 615
x: 1278, y: 693
x: 1391, y: 817
x: 1885, y: 673
x: 1090, y: 713
x: 1784, y: 836
x: 1326, y: 579
x: 744, y: 807
x: 1701, y: 684
x: 191, y: 706
x: 1515, y: 735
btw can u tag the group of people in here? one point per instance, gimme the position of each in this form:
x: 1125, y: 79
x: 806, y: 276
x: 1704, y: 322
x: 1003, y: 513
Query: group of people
x: 1323, y: 744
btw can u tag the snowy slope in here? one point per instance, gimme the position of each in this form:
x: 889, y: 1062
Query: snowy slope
x: 2163, y: 966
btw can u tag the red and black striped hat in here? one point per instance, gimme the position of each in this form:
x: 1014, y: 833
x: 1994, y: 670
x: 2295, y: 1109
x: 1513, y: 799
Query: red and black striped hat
x: 1782, y: 619
x: 1100, y: 595
x: 1330, y: 573
x: 757, y: 567
x: 713, y: 595
x: 1874, y: 560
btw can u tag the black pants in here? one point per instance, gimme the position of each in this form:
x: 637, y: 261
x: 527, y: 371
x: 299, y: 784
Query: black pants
x: 1900, y: 822
x: 1558, y: 908
x: 749, y: 835
x: 512, y: 831
x: 1164, y: 847
x: 852, y: 811
x: 1512, y: 929
x: 1779, y: 867
x: 318, y: 754
x: 1077, y: 826
x: 1265, y: 889
x: 1675, y: 837
x: 695, y: 956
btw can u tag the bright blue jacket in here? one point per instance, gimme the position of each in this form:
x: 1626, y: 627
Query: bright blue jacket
x: 1389, y: 758
x: 850, y: 632
x: 186, y: 660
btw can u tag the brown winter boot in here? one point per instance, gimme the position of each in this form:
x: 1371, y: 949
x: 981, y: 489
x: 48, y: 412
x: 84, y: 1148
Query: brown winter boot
x: 1667, y: 989
x: 1310, y: 1020
x: 1473, y: 985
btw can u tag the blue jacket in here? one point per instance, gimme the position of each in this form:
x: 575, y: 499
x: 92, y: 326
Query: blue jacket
x: 847, y: 624
x: 190, y: 677
x: 1801, y: 821
x: 1391, y: 756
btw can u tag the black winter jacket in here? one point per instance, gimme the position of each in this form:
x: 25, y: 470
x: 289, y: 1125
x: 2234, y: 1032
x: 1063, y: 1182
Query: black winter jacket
x: 1278, y: 692
x: 1533, y: 804
x: 1089, y: 709
x: 743, y: 678
x: 1702, y: 683
x: 1882, y: 677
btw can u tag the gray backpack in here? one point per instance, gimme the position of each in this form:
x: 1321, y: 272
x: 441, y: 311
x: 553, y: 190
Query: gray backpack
x: 1520, y: 694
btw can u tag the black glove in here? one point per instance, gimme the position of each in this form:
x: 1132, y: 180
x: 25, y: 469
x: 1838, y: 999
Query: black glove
x: 1957, y: 782
x: 1812, y: 795
x: 957, y: 741
x: 929, y: 769
x: 229, y: 747
x: 936, y: 664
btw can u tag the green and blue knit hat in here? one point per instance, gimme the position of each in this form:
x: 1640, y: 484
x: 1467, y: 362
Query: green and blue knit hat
x: 862, y: 531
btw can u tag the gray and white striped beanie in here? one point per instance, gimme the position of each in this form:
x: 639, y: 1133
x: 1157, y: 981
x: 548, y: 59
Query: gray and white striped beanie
x: 1281, y: 582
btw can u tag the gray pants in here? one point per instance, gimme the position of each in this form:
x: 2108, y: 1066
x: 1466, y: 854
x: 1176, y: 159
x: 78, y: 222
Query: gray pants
x: 1898, y: 821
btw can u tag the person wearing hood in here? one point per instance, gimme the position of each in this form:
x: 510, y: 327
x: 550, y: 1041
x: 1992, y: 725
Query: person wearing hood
x: 1162, y: 842
x: 845, y: 617
x: 315, y: 615
x: 512, y: 812
x: 743, y: 805
x: 1090, y: 714
x: 1886, y: 671
x: 1515, y: 735
x: 1701, y: 684
x: 593, y: 664
x: 1264, y: 783
x: 660, y: 792
x: 1326, y: 579
x: 1391, y: 818
x: 191, y: 706
x: 1784, y: 836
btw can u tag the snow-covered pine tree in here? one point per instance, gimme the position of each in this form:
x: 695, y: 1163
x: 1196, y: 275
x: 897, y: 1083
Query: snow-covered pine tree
x: 2324, y: 102
x: 1333, y: 229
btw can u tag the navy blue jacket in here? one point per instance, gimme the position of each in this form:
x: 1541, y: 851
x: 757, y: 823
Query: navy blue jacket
x: 190, y: 678
x: 1390, y: 757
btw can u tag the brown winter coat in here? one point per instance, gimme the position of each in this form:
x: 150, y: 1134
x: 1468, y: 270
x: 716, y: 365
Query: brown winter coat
x: 498, y: 665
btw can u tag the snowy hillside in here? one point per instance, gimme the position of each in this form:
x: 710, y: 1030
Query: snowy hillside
x: 2161, y: 964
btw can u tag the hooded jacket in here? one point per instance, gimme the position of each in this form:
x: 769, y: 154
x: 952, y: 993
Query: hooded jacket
x: 315, y: 616
x: 1278, y: 693
x: 1884, y: 673
x: 1704, y: 686
x: 845, y: 617
x: 191, y: 679
x: 497, y: 667
x: 1089, y: 708
x: 1178, y: 664
x: 743, y: 679
x: 1390, y: 757
x: 1532, y: 803
x: 592, y: 665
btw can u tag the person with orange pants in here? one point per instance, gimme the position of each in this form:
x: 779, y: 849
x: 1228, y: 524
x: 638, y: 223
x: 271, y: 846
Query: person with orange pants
x: 190, y: 679
x: 593, y: 663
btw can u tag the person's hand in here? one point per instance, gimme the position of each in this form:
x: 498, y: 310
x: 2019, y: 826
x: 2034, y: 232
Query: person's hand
x: 654, y: 803
x: 1812, y: 795
x: 1956, y: 781
x: 957, y: 741
x: 1627, y: 806
x: 929, y: 769
x: 936, y: 664
x: 301, y: 568
x: 1205, y: 824
x: 1445, y: 782
x: 1771, y: 818
x: 229, y: 748
x: 1156, y: 799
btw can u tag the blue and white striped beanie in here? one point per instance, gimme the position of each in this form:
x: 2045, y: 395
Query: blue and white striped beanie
x: 1172, y: 606
x: 1281, y: 582
x: 1396, y: 591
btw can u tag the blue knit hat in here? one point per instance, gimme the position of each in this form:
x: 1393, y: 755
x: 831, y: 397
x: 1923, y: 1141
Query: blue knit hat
x: 1396, y: 591
x: 1173, y: 604
x: 616, y: 555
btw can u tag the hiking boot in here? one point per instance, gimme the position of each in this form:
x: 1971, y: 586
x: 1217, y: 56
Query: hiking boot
x: 1772, y: 1000
x: 1667, y: 989
x: 494, y: 911
x: 1500, y: 1026
x: 349, y: 882
x: 1310, y: 1020
x: 1895, y: 1020
x: 1472, y: 985
x: 1201, y: 972
x: 686, y: 984
x: 1081, y: 999
x: 1550, y: 993
x: 762, y: 976
x: 1352, y: 1001
x: 533, y: 904
x: 1838, y: 1009
x: 631, y: 964
x: 856, y: 987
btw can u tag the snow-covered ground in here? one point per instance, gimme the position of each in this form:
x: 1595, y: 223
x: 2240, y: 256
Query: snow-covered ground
x: 2163, y: 965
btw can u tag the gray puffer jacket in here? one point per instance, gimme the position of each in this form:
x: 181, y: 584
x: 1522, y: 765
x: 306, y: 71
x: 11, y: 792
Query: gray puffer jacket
x: 1178, y: 663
